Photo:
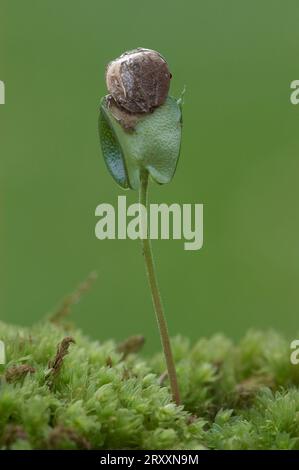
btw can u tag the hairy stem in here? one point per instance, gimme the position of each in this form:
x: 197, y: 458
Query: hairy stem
x: 156, y: 297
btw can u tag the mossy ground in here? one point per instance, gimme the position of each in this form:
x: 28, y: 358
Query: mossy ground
x: 93, y: 395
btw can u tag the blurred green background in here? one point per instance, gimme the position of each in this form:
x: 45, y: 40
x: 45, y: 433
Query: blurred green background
x: 239, y: 157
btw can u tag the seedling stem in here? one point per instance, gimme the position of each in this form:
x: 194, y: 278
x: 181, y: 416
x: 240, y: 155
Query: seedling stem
x: 156, y: 297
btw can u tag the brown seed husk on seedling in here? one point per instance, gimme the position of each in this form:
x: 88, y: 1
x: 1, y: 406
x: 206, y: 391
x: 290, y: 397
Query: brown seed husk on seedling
x: 138, y: 80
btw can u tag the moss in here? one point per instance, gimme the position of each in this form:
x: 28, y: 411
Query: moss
x: 60, y: 390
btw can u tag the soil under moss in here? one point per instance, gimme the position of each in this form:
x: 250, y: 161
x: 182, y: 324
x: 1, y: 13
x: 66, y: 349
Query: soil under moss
x: 60, y: 390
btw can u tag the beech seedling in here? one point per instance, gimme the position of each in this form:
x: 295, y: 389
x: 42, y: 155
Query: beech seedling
x: 140, y: 128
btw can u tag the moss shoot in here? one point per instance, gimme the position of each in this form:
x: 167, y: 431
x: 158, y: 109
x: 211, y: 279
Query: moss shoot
x: 60, y: 390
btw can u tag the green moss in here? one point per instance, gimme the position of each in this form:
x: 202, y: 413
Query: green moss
x: 96, y: 395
